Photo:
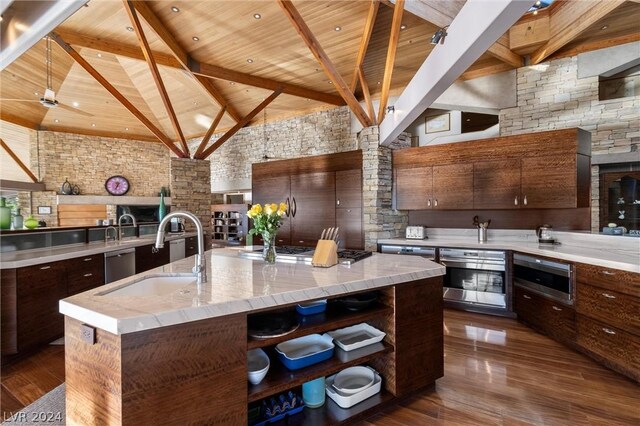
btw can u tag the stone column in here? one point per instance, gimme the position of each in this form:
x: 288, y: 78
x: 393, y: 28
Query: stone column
x: 380, y: 219
x: 190, y: 184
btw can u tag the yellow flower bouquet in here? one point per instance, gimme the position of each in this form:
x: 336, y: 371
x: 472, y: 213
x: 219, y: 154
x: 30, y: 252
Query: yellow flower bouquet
x: 266, y: 221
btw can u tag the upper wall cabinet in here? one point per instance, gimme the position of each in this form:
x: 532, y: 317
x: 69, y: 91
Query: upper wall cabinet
x: 546, y: 170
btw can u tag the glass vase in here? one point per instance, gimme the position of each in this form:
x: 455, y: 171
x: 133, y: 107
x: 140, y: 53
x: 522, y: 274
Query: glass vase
x: 269, y: 247
x: 5, y: 215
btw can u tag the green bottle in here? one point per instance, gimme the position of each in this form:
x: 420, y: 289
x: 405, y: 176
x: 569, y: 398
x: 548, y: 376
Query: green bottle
x: 5, y: 214
x: 162, y: 210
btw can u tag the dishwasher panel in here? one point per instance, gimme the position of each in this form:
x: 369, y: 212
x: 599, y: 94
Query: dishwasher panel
x: 176, y: 249
x: 119, y: 264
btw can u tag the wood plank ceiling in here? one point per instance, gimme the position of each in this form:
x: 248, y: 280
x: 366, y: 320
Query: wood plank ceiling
x: 264, y: 53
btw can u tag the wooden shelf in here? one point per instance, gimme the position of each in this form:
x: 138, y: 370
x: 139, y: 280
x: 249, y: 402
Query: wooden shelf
x: 280, y: 379
x: 333, y: 318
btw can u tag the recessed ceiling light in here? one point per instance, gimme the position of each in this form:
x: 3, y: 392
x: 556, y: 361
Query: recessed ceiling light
x: 36, y: 93
x: 126, y: 128
x: 250, y: 60
x: 175, y: 9
x: 403, y: 26
x: 130, y: 29
x: 604, y: 27
x: 232, y: 83
x: 330, y: 82
x: 337, y: 28
x: 56, y: 120
x: 93, y: 124
x: 75, y: 104
x: 99, y: 55
x: 257, y: 15
x: 194, y: 38
x: 535, y: 12
x: 378, y: 83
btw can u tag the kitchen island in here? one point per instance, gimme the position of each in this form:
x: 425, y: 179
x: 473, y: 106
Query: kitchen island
x: 180, y: 357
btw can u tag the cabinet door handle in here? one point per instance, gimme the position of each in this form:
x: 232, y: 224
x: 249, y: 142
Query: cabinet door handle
x: 301, y: 241
x: 524, y: 200
x: 526, y: 297
x: 295, y: 207
x: 87, y: 259
x: 435, y: 202
x: 515, y: 201
x: 287, y: 213
x: 429, y: 202
x: 608, y: 296
x: 45, y: 267
x: 88, y: 275
x: 608, y: 273
x: 555, y: 308
x: 608, y: 331
x: 338, y: 202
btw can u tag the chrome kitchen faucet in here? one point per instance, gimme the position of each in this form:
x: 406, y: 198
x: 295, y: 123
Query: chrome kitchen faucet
x: 200, y: 268
x: 120, y: 224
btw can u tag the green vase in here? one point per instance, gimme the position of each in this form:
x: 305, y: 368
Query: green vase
x: 162, y: 210
x: 31, y: 222
x: 5, y: 214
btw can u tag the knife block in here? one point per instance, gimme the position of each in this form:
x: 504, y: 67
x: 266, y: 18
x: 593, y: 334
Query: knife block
x: 326, y: 254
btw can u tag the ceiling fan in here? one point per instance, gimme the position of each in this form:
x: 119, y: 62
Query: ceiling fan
x: 48, y: 100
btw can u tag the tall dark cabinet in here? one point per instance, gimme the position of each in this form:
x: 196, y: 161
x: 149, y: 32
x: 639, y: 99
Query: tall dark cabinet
x: 321, y: 191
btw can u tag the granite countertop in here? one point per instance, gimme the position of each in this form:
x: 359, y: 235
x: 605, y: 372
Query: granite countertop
x: 593, y: 251
x: 18, y: 259
x: 236, y: 284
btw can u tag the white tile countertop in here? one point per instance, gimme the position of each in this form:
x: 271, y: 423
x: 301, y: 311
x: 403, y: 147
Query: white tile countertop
x: 608, y: 251
x: 237, y: 284
x: 19, y: 259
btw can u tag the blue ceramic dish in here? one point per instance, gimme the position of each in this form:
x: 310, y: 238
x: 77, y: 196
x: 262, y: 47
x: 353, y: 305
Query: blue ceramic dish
x: 305, y: 351
x: 312, y: 308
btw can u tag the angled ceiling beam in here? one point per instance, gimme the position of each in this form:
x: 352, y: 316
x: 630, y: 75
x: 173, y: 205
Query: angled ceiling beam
x: 181, y: 55
x: 18, y: 161
x: 364, y: 42
x: 367, y: 96
x: 116, y: 94
x: 394, y: 36
x: 157, y: 78
x: 475, y: 28
x: 210, y: 130
x: 329, y: 69
x: 437, y: 14
x: 4, y: 116
x: 568, y: 20
x: 239, y: 125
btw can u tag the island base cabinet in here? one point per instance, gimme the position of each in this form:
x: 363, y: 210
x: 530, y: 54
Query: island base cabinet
x: 193, y: 373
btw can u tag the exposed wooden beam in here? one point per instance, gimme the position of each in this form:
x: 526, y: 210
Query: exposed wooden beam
x: 182, y: 56
x: 568, y: 20
x: 207, y: 136
x: 155, y: 73
x: 441, y: 14
x: 488, y: 70
x: 364, y: 42
x: 367, y: 96
x: 116, y: 94
x: 18, y: 161
x: 18, y: 120
x: 104, y: 133
x: 391, y: 58
x: 329, y: 69
x: 239, y: 125
x: 596, y: 45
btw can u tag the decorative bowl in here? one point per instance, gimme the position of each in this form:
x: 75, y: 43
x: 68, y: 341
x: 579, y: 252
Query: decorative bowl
x: 257, y: 365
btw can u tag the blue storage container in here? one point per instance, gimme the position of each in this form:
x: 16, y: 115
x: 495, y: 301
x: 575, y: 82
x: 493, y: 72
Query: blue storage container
x: 311, y: 308
x: 305, y: 351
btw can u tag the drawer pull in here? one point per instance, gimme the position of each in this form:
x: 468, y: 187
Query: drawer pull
x: 608, y: 273
x: 526, y: 297
x: 87, y: 259
x: 608, y: 296
x: 555, y: 308
x: 88, y: 275
x: 45, y: 267
x: 608, y: 331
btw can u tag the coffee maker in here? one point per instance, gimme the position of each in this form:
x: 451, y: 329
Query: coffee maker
x: 176, y: 224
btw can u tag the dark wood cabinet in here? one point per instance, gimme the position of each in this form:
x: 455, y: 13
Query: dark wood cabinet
x: 552, y: 318
x: 190, y: 246
x: 39, y: 288
x: 453, y: 186
x: 549, y: 182
x: 84, y: 273
x: 148, y: 257
x: 496, y: 184
x: 321, y: 192
x: 414, y: 188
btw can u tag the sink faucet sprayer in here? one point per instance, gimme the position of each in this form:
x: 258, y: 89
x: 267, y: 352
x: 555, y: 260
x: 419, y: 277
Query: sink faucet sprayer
x: 200, y: 269
x: 120, y: 223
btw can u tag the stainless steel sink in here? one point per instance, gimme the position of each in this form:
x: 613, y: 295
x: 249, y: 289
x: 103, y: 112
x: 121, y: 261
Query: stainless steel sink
x: 153, y: 285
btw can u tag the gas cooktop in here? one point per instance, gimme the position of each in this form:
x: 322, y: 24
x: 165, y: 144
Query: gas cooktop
x: 305, y: 254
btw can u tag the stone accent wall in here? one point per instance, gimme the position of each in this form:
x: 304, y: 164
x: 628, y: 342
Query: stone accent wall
x: 380, y: 219
x: 551, y: 96
x: 191, y: 189
x: 323, y: 132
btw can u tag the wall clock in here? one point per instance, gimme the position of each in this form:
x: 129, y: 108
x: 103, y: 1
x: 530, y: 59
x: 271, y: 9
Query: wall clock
x: 117, y: 185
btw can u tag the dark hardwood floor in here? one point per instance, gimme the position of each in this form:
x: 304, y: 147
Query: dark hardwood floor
x: 497, y: 372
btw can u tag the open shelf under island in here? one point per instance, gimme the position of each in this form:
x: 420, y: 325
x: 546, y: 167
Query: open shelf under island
x: 182, y: 357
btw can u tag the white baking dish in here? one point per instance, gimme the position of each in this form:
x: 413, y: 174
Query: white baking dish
x: 347, y: 401
x: 356, y: 336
